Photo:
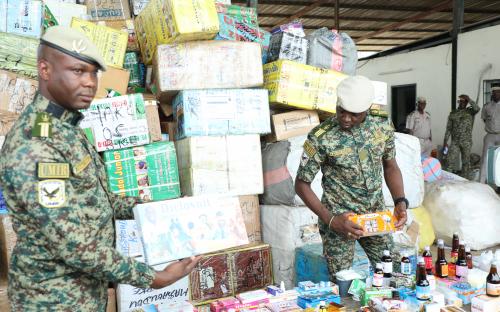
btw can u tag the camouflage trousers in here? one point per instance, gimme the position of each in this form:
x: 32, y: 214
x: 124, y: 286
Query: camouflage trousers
x: 459, y: 149
x: 339, y: 250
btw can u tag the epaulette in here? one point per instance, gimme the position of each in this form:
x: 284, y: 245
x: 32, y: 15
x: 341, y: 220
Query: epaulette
x: 379, y: 113
x: 323, y: 128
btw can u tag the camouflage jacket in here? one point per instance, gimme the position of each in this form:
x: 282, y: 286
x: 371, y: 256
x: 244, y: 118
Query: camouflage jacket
x: 460, y: 123
x: 62, y: 212
x: 351, y: 163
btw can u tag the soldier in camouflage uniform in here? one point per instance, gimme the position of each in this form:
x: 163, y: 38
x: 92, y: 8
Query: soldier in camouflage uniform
x: 55, y: 186
x: 351, y: 150
x: 459, y: 127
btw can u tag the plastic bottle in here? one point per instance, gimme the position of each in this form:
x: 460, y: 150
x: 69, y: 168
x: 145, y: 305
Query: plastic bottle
x: 428, y: 259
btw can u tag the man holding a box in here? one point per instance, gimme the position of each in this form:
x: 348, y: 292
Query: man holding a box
x: 351, y: 150
x: 55, y: 187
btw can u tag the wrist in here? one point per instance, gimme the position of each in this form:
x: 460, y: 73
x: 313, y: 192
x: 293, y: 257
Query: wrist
x: 401, y: 200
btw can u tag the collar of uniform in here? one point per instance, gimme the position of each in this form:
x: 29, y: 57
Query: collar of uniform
x: 59, y: 112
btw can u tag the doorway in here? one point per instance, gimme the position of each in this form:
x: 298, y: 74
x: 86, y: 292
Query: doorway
x: 403, y: 103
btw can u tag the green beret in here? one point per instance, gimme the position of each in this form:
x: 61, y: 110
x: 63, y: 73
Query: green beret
x: 74, y: 43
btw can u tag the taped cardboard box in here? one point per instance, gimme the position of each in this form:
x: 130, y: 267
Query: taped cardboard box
x: 292, y: 124
x: 18, y: 54
x: 153, y: 120
x: 188, y: 21
x: 220, y: 165
x: 302, y: 86
x: 138, y: 6
x: 231, y: 272
x: 8, y: 240
x: 251, y: 216
x: 110, y: 42
x: 148, y: 172
x: 170, y: 129
x: 126, y: 26
x: 116, y: 123
x: 16, y: 92
x: 129, y: 298
x: 184, y: 227
x: 247, y: 15
x: 221, y: 112
x: 112, y: 79
x: 131, y: 64
x: 108, y: 9
x: 207, y: 65
x: 62, y: 12
x: 21, y: 17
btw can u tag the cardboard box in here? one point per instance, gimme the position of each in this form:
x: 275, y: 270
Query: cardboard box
x: 169, y: 128
x: 153, y: 120
x: 451, y: 309
x: 63, y: 12
x: 207, y: 65
x: 230, y: 272
x: 188, y: 21
x: 22, y: 17
x: 149, y: 172
x: 138, y: 6
x: 220, y: 165
x: 8, y: 240
x: 292, y: 124
x: 128, y: 243
x: 251, y: 216
x: 110, y: 42
x: 16, y: 92
x: 485, y: 303
x: 180, y: 228
x: 113, y: 78
x: 302, y: 86
x: 126, y: 26
x: 377, y: 223
x: 116, y: 123
x: 367, y: 294
x: 131, y: 64
x: 221, y: 112
x: 18, y: 54
x: 108, y: 9
x: 247, y: 15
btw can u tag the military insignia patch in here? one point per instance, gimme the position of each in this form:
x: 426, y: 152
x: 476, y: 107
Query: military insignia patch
x: 79, y: 167
x: 304, y: 159
x: 53, y: 170
x: 309, y: 148
x: 51, y: 193
x: 43, y: 125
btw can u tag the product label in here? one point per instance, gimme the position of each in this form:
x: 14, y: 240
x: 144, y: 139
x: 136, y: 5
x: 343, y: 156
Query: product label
x: 454, y: 257
x: 451, y: 269
x: 423, y: 292
x: 387, y: 267
x: 378, y: 280
x: 444, y: 270
x: 428, y: 263
x: 492, y: 289
x: 405, y: 268
x: 461, y: 271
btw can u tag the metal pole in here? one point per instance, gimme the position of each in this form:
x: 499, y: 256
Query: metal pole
x: 458, y: 22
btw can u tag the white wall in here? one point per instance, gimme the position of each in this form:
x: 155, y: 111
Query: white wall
x: 431, y: 71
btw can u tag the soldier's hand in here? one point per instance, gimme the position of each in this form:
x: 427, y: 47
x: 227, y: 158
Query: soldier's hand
x: 342, y: 225
x: 174, y: 272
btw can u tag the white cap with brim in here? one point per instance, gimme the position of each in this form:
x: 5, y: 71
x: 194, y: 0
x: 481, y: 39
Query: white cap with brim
x: 355, y: 94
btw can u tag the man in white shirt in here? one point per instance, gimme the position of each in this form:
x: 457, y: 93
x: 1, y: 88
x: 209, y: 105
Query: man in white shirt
x: 491, y: 117
x: 418, y: 123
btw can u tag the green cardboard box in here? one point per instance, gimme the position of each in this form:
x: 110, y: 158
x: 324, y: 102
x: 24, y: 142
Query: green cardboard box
x: 149, y: 172
x: 373, y: 292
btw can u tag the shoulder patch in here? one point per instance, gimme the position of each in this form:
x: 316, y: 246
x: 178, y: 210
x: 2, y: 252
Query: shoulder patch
x: 42, y: 126
x: 79, y: 167
x: 51, y: 193
x: 309, y: 149
x: 53, y: 170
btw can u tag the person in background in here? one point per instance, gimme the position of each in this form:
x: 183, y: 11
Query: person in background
x: 418, y: 124
x: 491, y: 117
x: 459, y: 127
x: 351, y: 149
x: 56, y: 190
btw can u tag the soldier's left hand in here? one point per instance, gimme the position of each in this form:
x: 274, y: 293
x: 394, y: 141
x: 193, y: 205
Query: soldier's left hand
x: 400, y: 214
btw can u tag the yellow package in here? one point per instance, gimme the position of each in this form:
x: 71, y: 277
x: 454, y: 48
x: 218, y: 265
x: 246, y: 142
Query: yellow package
x: 377, y: 223
x: 110, y: 42
x: 302, y: 86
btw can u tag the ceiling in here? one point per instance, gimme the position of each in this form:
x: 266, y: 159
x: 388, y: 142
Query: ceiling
x: 375, y: 25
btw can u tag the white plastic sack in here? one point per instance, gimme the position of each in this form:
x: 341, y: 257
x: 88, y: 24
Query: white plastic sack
x: 469, y: 208
x: 409, y: 162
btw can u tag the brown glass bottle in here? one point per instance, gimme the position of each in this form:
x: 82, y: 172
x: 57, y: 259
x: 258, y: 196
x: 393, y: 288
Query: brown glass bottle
x: 428, y: 259
x: 454, y: 248
x: 423, y: 288
x: 468, y: 257
x: 441, y: 263
x: 461, y: 265
x: 493, y: 282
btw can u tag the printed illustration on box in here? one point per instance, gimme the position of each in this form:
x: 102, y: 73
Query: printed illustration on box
x: 23, y: 17
x: 181, y: 228
x: 16, y: 92
x: 116, y: 123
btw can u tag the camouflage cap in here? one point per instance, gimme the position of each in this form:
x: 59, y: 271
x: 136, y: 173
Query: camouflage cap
x: 355, y: 94
x: 74, y: 43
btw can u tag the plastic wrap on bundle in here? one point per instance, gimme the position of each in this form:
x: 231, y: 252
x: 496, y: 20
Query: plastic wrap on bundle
x: 287, y: 46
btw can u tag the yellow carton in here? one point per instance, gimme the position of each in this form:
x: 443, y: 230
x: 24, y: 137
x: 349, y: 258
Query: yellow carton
x: 168, y: 21
x: 111, y: 42
x: 302, y: 86
x: 376, y: 223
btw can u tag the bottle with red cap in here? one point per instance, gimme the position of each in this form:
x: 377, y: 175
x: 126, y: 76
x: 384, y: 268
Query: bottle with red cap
x: 427, y: 255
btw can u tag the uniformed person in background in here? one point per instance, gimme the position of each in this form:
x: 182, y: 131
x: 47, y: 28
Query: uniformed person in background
x: 55, y: 186
x: 351, y: 150
x: 491, y: 117
x: 418, y: 124
x: 459, y: 127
